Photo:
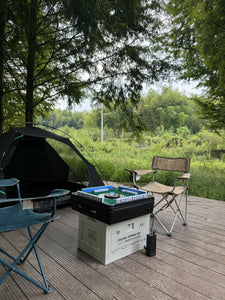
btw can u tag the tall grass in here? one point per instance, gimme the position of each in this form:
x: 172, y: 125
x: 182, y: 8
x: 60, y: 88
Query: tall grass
x: 112, y: 157
x: 207, y: 178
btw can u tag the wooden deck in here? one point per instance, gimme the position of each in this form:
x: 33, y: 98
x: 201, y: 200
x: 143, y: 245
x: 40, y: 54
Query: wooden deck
x: 189, y: 265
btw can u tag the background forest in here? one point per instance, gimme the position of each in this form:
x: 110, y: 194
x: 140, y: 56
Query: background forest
x: 171, y: 126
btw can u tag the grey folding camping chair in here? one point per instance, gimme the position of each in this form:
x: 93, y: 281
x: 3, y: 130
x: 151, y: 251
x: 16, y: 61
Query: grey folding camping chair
x: 17, y: 213
x: 171, y: 196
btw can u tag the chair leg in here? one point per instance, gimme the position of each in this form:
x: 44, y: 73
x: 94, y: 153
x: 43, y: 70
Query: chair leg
x: 177, y: 211
x: 185, y: 217
x: 38, y: 259
x: 16, y: 270
x: 162, y: 225
x: 37, y: 237
x: 12, y: 267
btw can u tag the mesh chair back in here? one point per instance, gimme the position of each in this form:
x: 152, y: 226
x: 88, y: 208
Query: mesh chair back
x: 171, y: 164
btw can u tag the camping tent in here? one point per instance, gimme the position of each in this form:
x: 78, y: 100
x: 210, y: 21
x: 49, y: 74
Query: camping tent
x: 28, y: 153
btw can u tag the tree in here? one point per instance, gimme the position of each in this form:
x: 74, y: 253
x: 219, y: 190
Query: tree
x: 198, y: 39
x: 39, y: 58
x: 169, y: 109
x: 63, y: 48
x: 125, y: 35
x: 4, y: 15
x: 59, y: 118
x: 2, y: 33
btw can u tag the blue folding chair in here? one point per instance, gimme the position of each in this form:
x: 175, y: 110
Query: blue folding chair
x: 14, y: 215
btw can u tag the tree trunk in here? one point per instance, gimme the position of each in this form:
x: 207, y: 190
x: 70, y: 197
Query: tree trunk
x: 2, y: 35
x: 31, y: 37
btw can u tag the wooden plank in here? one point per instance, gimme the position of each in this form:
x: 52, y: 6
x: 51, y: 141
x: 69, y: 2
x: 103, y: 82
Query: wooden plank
x: 184, y: 272
x: 191, y: 264
x: 127, y: 280
x: 9, y: 289
x: 13, y: 240
x: 80, y: 271
x: 158, y: 280
x: 187, y: 263
x: 122, y: 280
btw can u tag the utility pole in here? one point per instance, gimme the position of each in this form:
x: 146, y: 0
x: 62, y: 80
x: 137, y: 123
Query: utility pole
x: 102, y: 124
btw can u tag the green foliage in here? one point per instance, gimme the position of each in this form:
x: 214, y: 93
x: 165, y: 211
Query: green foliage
x: 59, y: 118
x: 213, y: 110
x: 161, y: 113
x: 197, y: 41
x: 208, y: 179
x: 169, y: 110
x: 38, y: 59
x: 125, y: 36
x: 183, y: 131
x: 112, y: 156
x: 65, y: 49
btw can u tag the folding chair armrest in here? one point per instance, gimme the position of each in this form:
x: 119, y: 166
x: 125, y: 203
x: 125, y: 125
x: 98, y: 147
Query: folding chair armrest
x: 140, y: 172
x: 59, y: 193
x: 54, y: 195
x: 8, y: 182
x: 136, y: 174
x: 185, y: 176
x: 144, y: 172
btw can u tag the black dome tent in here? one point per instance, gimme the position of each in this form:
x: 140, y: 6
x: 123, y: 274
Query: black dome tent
x: 27, y: 153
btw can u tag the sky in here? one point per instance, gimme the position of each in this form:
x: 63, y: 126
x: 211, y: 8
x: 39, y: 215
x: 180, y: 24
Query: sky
x: 188, y: 89
x: 84, y: 106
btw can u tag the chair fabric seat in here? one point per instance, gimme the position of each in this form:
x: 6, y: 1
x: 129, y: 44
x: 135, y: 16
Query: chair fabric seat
x: 15, y: 217
x: 159, y: 188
